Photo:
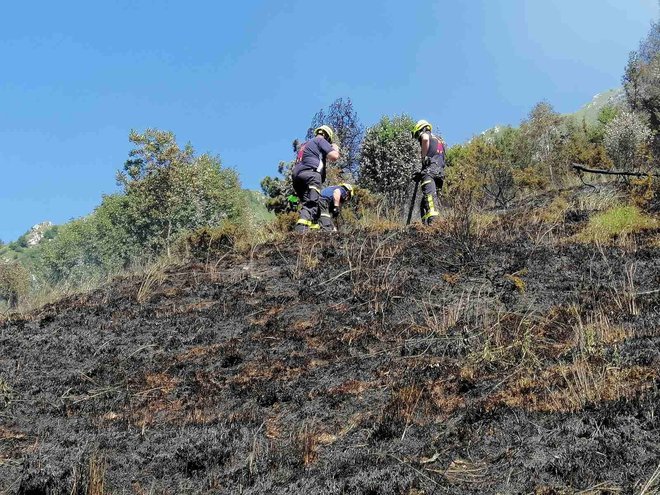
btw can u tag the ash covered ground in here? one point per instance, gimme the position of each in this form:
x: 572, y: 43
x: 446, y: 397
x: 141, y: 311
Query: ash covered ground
x: 403, y: 362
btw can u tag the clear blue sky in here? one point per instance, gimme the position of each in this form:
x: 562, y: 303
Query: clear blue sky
x: 242, y: 79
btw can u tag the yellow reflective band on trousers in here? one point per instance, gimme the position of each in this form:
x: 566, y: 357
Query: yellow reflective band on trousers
x: 302, y: 221
x: 314, y: 226
x: 432, y: 212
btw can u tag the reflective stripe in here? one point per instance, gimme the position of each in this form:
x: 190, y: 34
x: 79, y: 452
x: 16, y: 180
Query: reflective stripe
x: 326, y: 215
x: 302, y: 221
x: 314, y: 226
x: 432, y: 211
x: 431, y: 203
x: 427, y: 182
x: 315, y: 188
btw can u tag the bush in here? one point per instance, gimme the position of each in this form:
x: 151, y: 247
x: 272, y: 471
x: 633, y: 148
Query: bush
x: 388, y: 159
x: 14, y: 282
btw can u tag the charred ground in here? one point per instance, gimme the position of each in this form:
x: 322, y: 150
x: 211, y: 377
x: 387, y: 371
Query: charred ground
x: 401, y: 362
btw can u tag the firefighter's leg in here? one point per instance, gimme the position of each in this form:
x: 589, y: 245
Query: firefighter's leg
x: 325, y: 218
x: 429, y: 200
x: 309, y: 212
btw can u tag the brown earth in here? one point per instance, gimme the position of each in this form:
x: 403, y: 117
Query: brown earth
x: 401, y: 362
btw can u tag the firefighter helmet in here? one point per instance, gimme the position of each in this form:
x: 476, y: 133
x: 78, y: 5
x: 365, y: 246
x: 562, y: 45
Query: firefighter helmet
x: 420, y: 126
x: 327, y: 130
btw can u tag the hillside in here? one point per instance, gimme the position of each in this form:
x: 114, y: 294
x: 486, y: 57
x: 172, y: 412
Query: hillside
x: 384, y: 362
x: 591, y: 110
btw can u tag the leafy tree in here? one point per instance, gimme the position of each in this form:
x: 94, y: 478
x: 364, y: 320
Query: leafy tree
x: 389, y: 157
x: 596, y: 132
x: 278, y: 189
x: 348, y: 131
x: 166, y: 191
x: 540, y: 139
x: 170, y: 190
x: 641, y: 81
x: 626, y: 138
x: 14, y: 282
x: 584, y: 144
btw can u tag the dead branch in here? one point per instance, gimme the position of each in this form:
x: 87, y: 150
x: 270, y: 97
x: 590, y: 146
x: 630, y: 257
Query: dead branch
x: 582, y: 168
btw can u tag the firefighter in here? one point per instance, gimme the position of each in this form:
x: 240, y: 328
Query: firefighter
x: 332, y: 199
x: 309, y: 173
x: 431, y: 176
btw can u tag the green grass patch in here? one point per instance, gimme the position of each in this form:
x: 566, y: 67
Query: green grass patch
x: 616, y: 222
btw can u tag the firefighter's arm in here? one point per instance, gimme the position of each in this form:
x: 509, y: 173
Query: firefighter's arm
x: 336, y: 196
x: 333, y: 155
x: 425, y: 140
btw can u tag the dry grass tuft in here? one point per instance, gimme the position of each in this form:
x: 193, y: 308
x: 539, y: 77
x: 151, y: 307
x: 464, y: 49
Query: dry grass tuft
x: 97, y: 469
x: 154, y: 276
x: 464, y: 471
x: 569, y: 388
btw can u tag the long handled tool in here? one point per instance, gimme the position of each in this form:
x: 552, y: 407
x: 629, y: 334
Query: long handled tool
x: 412, y: 203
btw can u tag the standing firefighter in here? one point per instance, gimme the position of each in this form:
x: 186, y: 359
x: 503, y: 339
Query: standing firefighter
x: 309, y: 173
x: 433, y: 169
x: 332, y: 199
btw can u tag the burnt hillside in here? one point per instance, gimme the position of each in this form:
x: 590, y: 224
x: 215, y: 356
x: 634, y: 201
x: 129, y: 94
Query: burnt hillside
x: 403, y: 362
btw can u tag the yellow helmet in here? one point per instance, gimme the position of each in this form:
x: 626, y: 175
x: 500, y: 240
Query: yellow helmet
x: 327, y: 130
x: 420, y: 126
x: 349, y: 189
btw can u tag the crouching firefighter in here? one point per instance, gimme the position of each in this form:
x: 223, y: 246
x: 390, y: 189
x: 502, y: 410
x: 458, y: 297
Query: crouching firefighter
x: 332, y: 199
x: 309, y: 173
x: 433, y: 169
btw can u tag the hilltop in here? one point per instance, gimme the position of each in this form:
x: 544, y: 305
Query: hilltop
x: 382, y: 361
x: 589, y: 112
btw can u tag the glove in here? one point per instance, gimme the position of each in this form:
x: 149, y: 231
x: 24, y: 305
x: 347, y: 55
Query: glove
x: 417, y: 176
x: 336, y: 211
x: 426, y: 161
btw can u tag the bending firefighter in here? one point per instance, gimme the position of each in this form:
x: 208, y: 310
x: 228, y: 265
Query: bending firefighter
x: 309, y: 173
x: 332, y: 199
x: 433, y: 169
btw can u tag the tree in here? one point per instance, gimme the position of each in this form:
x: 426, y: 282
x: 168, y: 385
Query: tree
x: 389, y: 157
x: 626, y: 138
x: 170, y: 190
x: 540, y: 138
x: 348, y: 131
x: 641, y: 82
x: 278, y: 189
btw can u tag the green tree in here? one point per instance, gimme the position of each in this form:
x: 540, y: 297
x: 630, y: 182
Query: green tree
x: 389, y: 157
x: 641, y: 81
x: 278, y: 189
x: 627, y: 137
x: 540, y: 138
x: 171, y: 190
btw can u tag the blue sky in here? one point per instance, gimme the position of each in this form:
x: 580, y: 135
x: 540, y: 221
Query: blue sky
x: 242, y: 79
